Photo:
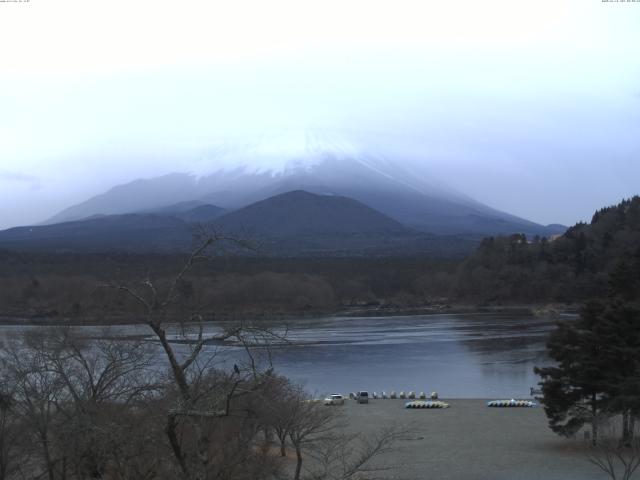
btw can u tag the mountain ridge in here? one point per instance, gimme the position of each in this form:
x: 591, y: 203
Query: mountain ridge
x: 234, y: 189
x: 295, y: 223
x: 300, y: 212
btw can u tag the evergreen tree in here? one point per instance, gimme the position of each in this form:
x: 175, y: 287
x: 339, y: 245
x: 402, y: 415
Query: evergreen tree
x: 575, y: 390
x: 620, y: 332
x: 621, y: 320
x: 598, y: 369
x: 624, y: 280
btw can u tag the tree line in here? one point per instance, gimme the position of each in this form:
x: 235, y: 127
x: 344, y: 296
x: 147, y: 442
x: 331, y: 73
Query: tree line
x: 574, y: 267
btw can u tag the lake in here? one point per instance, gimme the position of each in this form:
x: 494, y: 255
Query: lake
x: 477, y: 355
x: 459, y: 356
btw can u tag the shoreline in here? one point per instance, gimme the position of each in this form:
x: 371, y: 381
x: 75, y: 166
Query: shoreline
x: 533, y: 310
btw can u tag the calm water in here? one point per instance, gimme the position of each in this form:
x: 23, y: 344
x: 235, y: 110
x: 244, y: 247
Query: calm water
x: 462, y: 356
x: 459, y: 356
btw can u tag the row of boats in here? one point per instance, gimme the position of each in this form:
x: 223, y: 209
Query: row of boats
x: 511, y: 403
x: 393, y: 395
x: 493, y: 403
x: 426, y: 404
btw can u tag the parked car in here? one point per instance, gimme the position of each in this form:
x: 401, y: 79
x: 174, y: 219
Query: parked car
x: 334, y: 399
x: 362, y: 397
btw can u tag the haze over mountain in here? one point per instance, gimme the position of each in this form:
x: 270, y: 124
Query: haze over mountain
x: 318, y: 164
x: 291, y: 224
x: 520, y: 105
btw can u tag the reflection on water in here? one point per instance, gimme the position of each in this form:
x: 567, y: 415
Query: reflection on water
x: 463, y: 356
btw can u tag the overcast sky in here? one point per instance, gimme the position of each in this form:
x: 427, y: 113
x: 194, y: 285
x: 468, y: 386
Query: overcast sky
x: 532, y: 107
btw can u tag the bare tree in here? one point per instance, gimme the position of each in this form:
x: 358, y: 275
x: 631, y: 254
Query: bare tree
x: 72, y: 395
x: 317, y: 432
x: 200, y: 397
x: 346, y: 456
x: 14, y: 454
x: 618, y: 459
x: 280, y: 404
x: 310, y: 422
x: 103, y: 378
x: 37, y: 394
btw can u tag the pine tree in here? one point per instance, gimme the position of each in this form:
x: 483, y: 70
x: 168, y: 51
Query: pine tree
x: 598, y: 369
x: 624, y: 280
x: 575, y: 390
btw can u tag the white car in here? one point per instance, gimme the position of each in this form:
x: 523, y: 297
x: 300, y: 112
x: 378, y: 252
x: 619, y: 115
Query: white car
x: 335, y: 399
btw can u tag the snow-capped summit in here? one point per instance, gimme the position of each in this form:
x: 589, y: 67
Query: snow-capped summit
x: 238, y: 173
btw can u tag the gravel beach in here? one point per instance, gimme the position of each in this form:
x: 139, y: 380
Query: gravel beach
x: 472, y: 441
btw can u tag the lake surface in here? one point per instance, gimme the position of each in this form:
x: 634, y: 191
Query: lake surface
x: 457, y: 355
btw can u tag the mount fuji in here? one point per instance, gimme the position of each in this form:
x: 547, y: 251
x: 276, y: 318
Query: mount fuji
x: 251, y: 171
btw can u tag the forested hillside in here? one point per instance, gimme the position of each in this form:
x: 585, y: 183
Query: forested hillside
x: 65, y: 285
x: 578, y: 266
x: 572, y: 267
